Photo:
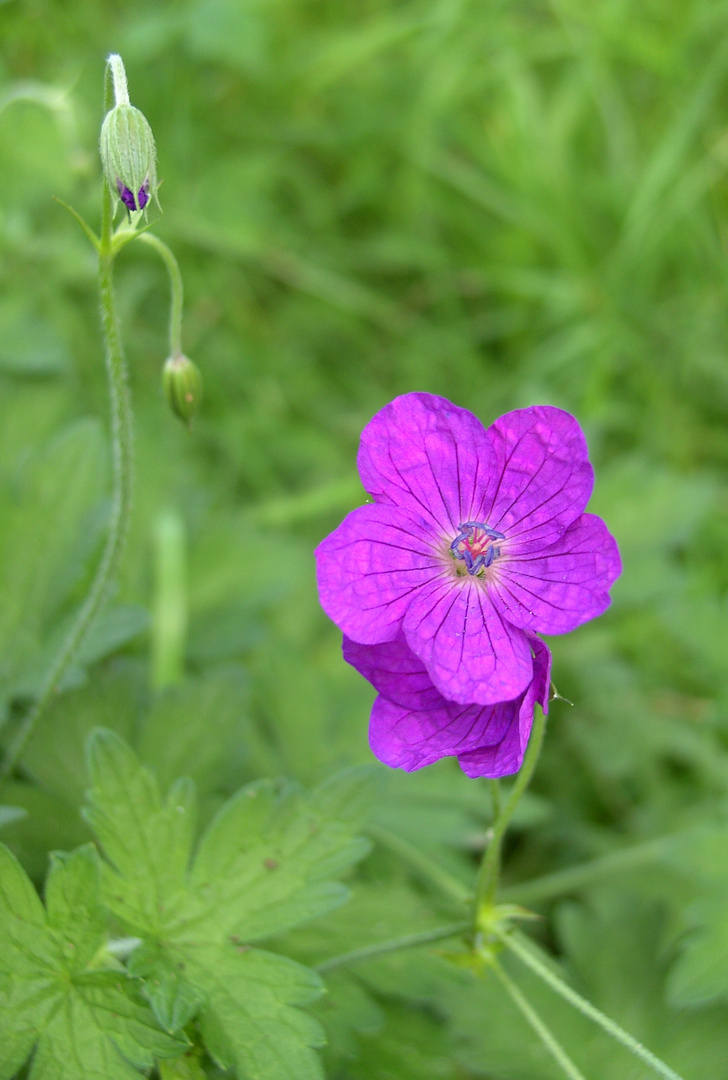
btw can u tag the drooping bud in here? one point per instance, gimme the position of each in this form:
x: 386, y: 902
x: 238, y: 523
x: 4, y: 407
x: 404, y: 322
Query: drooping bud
x: 128, y: 152
x: 183, y: 387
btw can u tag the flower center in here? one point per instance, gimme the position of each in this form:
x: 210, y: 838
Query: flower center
x: 475, y: 545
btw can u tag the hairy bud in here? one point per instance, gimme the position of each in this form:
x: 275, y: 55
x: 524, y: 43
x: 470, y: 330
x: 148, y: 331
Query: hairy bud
x: 128, y: 152
x: 183, y: 387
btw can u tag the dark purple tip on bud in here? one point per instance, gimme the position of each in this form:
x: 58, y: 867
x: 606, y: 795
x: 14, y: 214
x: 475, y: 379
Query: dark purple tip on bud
x: 127, y: 196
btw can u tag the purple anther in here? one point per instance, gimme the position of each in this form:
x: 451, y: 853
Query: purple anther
x: 492, y: 533
x: 127, y: 196
x: 477, y: 550
x: 458, y: 540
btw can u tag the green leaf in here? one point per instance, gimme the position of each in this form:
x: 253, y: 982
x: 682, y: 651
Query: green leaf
x: 414, y: 1044
x: 147, y: 839
x: 347, y: 1013
x: 700, y: 973
x: 191, y: 728
x: 264, y: 865
x: 173, y: 997
x: 376, y: 913
x: 49, y: 823
x: 253, y: 1019
x: 50, y: 528
x: 187, y: 1067
x: 113, y: 628
x: 72, y: 903
x: 82, y: 1021
x: 55, y: 755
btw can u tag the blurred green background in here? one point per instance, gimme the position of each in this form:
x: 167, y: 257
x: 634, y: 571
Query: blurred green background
x: 502, y: 203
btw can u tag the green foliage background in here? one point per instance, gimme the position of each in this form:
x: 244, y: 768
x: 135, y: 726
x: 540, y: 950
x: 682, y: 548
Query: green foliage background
x: 501, y: 203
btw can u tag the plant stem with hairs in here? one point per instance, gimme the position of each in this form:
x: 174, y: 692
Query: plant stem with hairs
x: 121, y: 445
x: 489, y: 874
x: 122, y: 459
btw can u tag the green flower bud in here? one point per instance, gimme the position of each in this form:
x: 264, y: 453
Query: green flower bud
x: 128, y: 152
x: 183, y: 388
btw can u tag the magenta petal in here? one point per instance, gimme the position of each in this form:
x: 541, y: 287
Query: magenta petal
x: 475, y: 539
x: 472, y: 655
x: 410, y: 738
x: 558, y: 589
x: 506, y: 757
x: 543, y: 478
x: 370, y: 567
x: 394, y: 670
x: 484, y: 738
x: 427, y: 455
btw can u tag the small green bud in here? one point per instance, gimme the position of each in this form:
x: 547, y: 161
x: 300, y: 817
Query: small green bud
x: 128, y: 152
x: 183, y: 387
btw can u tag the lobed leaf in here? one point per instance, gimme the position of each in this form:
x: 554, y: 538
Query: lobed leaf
x: 264, y: 865
x: 148, y: 840
x: 81, y: 1020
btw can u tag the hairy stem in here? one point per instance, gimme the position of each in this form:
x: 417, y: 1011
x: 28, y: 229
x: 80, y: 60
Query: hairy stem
x: 489, y: 873
x: 175, y: 281
x: 115, y: 68
x: 370, y: 952
x: 524, y: 953
x: 121, y: 441
x: 544, y: 1033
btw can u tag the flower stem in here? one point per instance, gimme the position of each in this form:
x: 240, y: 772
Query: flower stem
x: 121, y: 441
x: 115, y: 67
x: 370, y: 952
x: 175, y: 281
x: 585, y: 1007
x: 489, y: 873
x: 535, y: 1021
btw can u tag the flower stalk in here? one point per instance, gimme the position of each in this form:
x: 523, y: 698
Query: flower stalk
x: 489, y: 874
x: 544, y: 1033
x: 409, y: 941
x: 121, y: 442
x: 516, y: 945
x: 116, y: 74
x: 135, y: 151
x: 176, y: 286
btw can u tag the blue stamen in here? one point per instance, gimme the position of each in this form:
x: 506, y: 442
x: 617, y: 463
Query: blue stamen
x: 485, y: 558
x: 458, y: 540
x: 492, y: 533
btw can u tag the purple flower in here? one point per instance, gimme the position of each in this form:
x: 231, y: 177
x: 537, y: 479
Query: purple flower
x: 477, y: 540
x: 412, y: 725
x: 127, y: 196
